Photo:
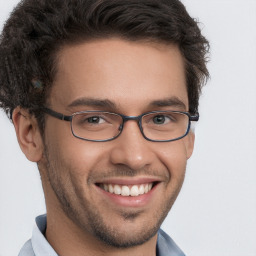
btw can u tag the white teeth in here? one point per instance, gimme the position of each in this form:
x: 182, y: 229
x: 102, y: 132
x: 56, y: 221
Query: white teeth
x: 146, y: 188
x: 141, y: 190
x: 125, y: 191
x: 117, y: 190
x: 110, y: 189
x: 134, y: 190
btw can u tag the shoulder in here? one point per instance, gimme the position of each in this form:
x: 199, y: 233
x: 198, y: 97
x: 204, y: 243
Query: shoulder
x: 27, y: 249
x: 166, y: 246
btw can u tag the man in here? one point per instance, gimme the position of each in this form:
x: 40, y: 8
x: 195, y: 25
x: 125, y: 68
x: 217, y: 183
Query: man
x: 102, y: 95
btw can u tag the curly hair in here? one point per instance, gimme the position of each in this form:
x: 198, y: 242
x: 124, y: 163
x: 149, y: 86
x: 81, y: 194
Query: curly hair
x: 38, y: 29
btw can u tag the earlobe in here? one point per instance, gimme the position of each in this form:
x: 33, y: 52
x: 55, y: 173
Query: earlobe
x: 190, y: 144
x: 28, y: 134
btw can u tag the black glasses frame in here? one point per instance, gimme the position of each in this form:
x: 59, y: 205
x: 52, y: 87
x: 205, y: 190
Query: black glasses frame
x: 63, y: 117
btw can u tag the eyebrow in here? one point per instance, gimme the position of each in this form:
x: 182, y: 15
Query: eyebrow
x: 170, y: 102
x: 92, y: 103
x: 104, y: 103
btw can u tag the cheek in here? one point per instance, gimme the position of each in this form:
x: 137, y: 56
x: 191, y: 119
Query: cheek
x: 85, y: 156
x: 76, y: 156
x: 174, y: 156
x: 189, y: 143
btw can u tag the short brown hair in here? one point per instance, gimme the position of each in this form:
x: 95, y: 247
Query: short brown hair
x: 37, y: 29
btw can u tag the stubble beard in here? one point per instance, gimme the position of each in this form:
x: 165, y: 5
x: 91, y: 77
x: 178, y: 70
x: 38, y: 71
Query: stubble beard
x: 89, y: 219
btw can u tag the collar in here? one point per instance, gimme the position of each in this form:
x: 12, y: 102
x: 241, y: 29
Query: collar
x: 39, y: 243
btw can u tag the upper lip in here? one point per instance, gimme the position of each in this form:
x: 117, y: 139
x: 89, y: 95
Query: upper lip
x: 129, y: 181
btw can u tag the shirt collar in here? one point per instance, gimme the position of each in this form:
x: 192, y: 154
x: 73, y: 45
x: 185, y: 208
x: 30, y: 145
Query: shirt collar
x: 166, y: 246
x: 40, y: 245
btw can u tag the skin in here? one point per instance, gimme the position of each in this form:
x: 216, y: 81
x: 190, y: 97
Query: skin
x: 132, y: 75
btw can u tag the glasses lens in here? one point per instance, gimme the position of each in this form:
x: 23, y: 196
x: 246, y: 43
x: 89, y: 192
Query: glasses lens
x: 163, y: 126
x: 96, y: 126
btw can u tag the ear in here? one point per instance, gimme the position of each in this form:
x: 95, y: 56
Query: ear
x: 190, y: 140
x: 28, y: 134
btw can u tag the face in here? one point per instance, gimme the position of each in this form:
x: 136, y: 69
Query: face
x: 129, y: 78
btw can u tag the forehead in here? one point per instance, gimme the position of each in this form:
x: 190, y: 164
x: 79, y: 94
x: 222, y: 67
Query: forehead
x: 129, y: 74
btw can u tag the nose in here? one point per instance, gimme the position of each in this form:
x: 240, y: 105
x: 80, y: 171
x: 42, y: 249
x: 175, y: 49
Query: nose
x: 131, y: 148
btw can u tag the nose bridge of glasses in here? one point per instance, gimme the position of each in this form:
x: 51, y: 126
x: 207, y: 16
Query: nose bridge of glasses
x: 127, y: 118
x: 130, y: 118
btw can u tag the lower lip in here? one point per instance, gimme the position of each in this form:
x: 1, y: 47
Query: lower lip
x: 129, y: 201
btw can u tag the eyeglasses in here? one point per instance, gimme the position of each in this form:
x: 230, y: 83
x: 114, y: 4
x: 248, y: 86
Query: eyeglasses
x: 157, y: 126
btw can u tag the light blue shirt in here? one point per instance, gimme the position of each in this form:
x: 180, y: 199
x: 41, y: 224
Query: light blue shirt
x: 39, y: 246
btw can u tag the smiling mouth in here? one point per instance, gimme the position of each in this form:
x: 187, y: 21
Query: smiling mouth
x: 127, y: 190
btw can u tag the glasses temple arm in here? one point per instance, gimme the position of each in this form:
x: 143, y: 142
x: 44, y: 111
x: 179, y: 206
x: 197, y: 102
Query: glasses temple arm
x: 57, y: 115
x: 194, y: 117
